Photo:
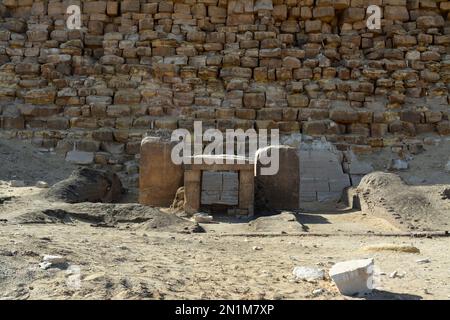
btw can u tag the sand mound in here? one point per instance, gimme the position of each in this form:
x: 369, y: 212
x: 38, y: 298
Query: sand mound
x: 377, y: 180
x: 87, y: 185
x: 103, y: 214
x: 423, y: 208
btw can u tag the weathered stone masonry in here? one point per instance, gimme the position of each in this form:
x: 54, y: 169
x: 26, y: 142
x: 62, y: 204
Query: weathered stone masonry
x: 298, y: 65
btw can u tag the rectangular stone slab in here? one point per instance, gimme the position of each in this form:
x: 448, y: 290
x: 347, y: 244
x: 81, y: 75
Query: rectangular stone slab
x: 220, y: 187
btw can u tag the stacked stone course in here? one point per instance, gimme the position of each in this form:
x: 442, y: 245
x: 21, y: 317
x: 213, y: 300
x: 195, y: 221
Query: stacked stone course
x: 308, y: 66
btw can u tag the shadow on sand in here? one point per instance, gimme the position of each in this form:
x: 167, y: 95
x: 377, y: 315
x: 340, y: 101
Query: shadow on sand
x: 387, y: 295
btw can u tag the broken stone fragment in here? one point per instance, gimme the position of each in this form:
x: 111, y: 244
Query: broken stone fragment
x: 41, y: 184
x: 392, y: 247
x: 308, y: 273
x: 202, y: 218
x: 398, y: 164
x: 353, y: 277
x: 80, y: 157
x: 422, y: 261
x: 52, y: 261
x: 17, y: 183
x: 87, y: 185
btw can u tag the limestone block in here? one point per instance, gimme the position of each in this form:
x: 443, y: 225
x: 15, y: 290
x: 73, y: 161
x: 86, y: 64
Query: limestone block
x: 341, y: 115
x: 425, y: 22
x: 40, y: 96
x: 254, y: 100
x: 129, y: 6
x: 220, y: 188
x: 443, y: 127
x: 159, y: 177
x: 281, y: 191
x: 111, y: 60
x: 27, y: 68
x: 399, y: 13
x: 12, y: 122
x: 37, y: 35
x: 211, y: 181
x: 230, y: 181
x: 353, y: 277
x: 80, y: 157
x: 94, y: 7
x: 326, y: 196
x: 298, y: 100
x: 236, y: 72
x: 324, y: 13
x: 263, y: 5
x: 279, y: 12
x: 127, y: 96
x: 112, y: 8
x: 353, y: 14
x: 192, y: 190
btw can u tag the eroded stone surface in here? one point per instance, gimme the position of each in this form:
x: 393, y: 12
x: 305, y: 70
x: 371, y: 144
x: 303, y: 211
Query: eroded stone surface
x: 354, y: 276
x: 159, y: 177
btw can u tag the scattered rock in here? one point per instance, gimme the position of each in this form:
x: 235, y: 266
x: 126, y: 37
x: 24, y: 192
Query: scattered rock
x: 7, y: 253
x: 256, y: 248
x: 318, y: 292
x: 53, y: 261
x: 277, y: 296
x: 308, y: 273
x: 392, y: 247
x: 5, y: 199
x: 353, y: 277
x: 422, y: 261
x: 396, y: 274
x: 203, y: 218
x: 398, y: 164
x: 42, y: 184
x: 80, y: 157
x: 17, y: 183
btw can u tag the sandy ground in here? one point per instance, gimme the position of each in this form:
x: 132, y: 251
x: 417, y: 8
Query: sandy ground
x: 233, y: 260
x: 125, y: 251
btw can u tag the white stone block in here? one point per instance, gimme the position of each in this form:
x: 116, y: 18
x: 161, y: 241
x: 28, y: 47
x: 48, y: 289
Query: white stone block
x: 308, y: 273
x: 80, y: 157
x: 354, y: 276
